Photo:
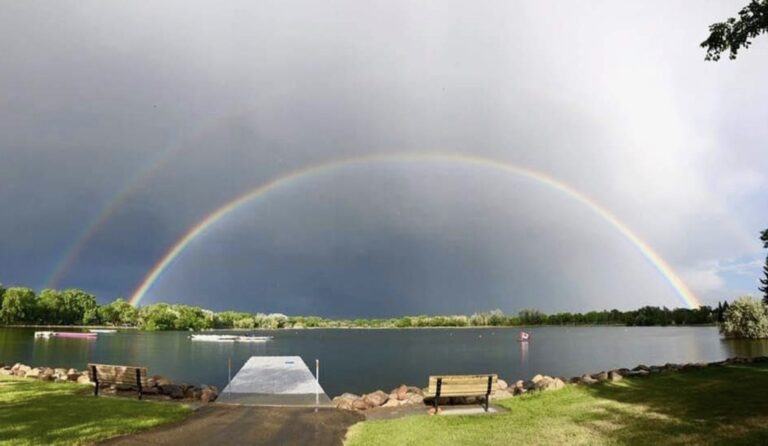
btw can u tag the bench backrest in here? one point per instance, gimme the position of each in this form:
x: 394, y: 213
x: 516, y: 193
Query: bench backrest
x: 117, y: 374
x: 462, y: 385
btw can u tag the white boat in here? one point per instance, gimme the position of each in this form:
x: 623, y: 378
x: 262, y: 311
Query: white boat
x: 44, y: 334
x: 102, y: 330
x: 229, y: 338
x: 213, y: 338
x: 253, y: 338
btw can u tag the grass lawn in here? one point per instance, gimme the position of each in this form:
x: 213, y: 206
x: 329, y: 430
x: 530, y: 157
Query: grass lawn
x: 716, y: 405
x: 45, y: 413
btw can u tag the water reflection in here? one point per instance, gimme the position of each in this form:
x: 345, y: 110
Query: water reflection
x: 750, y: 348
x: 523, y: 352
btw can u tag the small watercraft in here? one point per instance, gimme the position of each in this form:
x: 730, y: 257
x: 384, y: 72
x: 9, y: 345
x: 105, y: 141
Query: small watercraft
x: 229, y: 338
x: 253, y: 338
x: 524, y: 336
x: 65, y: 334
x: 102, y: 330
x: 213, y: 338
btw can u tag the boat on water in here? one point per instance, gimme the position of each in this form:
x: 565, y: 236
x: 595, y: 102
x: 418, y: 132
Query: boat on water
x: 253, y: 338
x: 213, y: 338
x: 102, y: 330
x: 229, y: 338
x: 524, y: 336
x: 65, y: 334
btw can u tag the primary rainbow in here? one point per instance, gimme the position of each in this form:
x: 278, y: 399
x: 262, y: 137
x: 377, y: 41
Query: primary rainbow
x: 195, y: 231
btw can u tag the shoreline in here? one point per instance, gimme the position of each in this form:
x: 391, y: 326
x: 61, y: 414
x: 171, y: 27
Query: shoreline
x: 514, y: 327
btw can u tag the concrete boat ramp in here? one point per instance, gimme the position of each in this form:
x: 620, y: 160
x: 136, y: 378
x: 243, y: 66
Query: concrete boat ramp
x: 275, y: 381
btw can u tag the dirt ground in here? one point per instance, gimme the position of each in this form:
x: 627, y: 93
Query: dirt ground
x: 221, y: 425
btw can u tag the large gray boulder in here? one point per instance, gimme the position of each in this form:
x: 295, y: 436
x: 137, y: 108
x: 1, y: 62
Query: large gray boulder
x: 172, y: 390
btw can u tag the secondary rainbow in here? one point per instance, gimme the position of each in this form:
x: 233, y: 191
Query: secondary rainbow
x: 687, y: 296
x: 131, y: 187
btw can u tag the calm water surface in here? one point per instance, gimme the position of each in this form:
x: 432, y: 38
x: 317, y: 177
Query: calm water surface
x: 363, y: 360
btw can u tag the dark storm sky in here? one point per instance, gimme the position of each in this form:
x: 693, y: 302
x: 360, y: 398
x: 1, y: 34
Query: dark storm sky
x: 178, y: 107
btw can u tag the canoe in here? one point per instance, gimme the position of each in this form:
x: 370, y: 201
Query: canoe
x: 102, y: 330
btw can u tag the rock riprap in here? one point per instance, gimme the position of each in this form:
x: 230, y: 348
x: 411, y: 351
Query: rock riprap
x: 157, y: 385
x: 409, y: 395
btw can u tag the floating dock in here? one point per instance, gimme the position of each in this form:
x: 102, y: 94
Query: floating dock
x: 275, y: 381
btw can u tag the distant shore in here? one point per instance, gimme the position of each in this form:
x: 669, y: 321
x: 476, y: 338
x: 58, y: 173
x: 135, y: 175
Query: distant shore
x: 246, y: 330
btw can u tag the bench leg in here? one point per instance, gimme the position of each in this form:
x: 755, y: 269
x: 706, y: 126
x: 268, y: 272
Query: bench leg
x: 138, y: 382
x: 95, y: 381
x: 487, y: 399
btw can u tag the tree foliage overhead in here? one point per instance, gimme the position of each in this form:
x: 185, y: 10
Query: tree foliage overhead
x: 737, y: 33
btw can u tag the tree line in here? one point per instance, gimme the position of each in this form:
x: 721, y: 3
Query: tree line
x: 19, y: 306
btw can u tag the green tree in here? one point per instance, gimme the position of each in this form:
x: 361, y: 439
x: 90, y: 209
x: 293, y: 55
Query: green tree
x: 764, y: 280
x: 157, y: 317
x: 50, y: 307
x: 746, y: 318
x: 19, y: 306
x: 77, y: 304
x: 736, y: 33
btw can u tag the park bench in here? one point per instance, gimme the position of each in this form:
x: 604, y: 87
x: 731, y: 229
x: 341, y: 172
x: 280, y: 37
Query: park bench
x: 461, y: 385
x: 102, y: 374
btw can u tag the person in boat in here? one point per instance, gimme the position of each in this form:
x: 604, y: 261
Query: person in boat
x: 523, y: 336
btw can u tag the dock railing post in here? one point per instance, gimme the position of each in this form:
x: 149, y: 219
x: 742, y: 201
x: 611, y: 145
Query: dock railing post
x: 317, y: 383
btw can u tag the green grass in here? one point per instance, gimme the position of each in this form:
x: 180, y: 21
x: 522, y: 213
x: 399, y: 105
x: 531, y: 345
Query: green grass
x: 44, y: 413
x: 716, y: 405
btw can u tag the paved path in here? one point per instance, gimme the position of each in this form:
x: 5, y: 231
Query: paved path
x: 221, y: 425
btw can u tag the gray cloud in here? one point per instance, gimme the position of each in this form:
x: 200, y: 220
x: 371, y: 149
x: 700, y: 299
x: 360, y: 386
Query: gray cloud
x: 614, y: 99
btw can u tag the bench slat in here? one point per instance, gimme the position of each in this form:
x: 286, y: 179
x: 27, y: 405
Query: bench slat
x: 452, y: 393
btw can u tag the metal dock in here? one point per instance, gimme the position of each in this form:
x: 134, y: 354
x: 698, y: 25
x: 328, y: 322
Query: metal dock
x: 275, y: 381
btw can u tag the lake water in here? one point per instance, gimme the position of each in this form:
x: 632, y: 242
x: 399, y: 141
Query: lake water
x: 364, y: 360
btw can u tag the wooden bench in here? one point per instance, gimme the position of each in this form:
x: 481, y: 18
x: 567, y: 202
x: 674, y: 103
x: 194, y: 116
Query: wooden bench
x: 461, y: 385
x: 117, y: 374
